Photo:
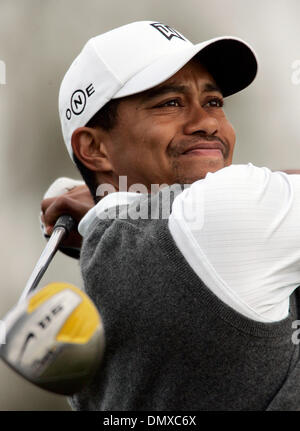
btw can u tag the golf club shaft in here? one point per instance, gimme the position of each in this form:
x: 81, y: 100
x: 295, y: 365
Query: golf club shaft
x: 62, y: 228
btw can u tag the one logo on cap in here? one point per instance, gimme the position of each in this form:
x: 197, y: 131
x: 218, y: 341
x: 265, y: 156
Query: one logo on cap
x: 167, y: 31
x: 78, y: 101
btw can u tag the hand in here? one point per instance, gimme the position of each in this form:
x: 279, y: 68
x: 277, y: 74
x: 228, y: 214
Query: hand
x: 65, y: 196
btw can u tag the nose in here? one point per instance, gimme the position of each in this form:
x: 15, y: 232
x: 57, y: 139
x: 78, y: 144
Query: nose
x: 200, y: 121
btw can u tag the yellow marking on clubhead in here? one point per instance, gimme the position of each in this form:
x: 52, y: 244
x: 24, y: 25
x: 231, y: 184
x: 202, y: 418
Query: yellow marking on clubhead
x: 83, y: 321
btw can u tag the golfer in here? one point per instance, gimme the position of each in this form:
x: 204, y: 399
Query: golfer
x: 193, y: 262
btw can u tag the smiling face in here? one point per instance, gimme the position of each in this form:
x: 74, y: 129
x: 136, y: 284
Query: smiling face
x: 173, y: 133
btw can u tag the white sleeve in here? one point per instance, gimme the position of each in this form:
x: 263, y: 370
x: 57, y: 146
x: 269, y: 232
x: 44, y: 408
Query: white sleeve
x: 239, y: 230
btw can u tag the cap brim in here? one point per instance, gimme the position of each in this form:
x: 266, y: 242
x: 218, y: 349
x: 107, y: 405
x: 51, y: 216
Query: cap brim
x: 230, y: 61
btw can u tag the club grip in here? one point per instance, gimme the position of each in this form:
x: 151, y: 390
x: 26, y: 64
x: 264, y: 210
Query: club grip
x: 67, y: 222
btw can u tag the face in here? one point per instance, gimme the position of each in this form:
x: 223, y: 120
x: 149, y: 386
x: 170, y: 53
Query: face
x: 176, y: 132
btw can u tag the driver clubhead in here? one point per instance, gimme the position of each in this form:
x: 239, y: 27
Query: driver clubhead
x: 55, y: 338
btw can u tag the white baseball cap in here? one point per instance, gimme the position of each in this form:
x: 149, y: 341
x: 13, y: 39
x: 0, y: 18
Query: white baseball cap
x: 138, y: 56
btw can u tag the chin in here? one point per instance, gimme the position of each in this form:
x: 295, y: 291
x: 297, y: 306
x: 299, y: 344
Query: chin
x: 199, y: 172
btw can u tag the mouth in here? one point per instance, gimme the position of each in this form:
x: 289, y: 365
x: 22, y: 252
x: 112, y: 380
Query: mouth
x: 212, y: 149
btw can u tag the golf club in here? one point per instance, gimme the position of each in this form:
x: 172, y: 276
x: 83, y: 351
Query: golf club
x: 54, y: 336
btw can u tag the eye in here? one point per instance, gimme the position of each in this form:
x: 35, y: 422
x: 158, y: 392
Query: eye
x: 215, y: 102
x: 172, y: 102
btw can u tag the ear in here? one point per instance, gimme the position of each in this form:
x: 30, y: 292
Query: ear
x: 89, y: 146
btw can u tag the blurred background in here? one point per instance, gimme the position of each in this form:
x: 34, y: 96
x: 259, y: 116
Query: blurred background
x: 38, y: 41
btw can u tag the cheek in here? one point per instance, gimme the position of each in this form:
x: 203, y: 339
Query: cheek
x: 230, y: 137
x: 139, y: 148
x: 141, y: 139
x: 150, y: 140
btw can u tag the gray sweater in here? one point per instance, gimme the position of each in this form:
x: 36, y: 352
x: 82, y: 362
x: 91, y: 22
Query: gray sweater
x: 171, y: 343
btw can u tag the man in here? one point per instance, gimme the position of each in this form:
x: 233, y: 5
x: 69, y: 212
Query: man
x: 196, y: 287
